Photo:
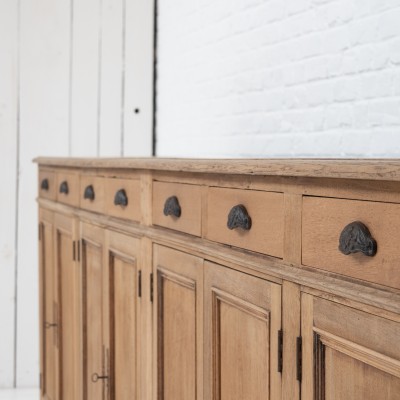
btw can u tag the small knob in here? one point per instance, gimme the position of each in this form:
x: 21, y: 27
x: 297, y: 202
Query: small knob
x: 64, y: 187
x: 356, y: 238
x: 239, y: 218
x: 49, y: 325
x: 89, y: 193
x: 172, y: 207
x: 121, y: 199
x: 96, y: 377
x: 45, y: 184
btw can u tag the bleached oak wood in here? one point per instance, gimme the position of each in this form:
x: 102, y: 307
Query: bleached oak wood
x: 178, y: 325
x: 72, y: 179
x: 242, y: 317
x: 189, y: 198
x: 371, y: 169
x: 267, y: 219
x: 97, y: 183
x: 323, y: 221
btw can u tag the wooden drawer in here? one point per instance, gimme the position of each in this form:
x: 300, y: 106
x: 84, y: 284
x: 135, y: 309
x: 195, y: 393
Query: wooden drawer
x: 67, y: 188
x: 267, y: 220
x: 323, y: 222
x: 180, y: 199
x: 47, y: 184
x: 122, y: 198
x: 92, y: 193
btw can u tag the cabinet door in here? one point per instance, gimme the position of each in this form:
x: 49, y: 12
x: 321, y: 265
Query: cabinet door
x: 95, y: 355
x: 123, y: 280
x: 68, y: 299
x: 242, y: 317
x: 178, y: 302
x: 48, y: 309
x: 347, y: 353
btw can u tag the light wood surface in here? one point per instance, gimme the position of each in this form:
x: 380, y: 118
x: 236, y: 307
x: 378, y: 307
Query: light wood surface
x: 266, y: 213
x: 50, y: 176
x: 72, y: 179
x: 178, y: 313
x: 325, y: 218
x: 373, y: 169
x: 189, y: 198
x: 242, y: 320
x: 194, y: 311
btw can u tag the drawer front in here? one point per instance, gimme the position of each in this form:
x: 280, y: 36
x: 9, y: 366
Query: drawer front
x: 67, y: 188
x: 323, y: 222
x: 122, y: 198
x: 177, y: 206
x: 47, y: 184
x: 267, y: 219
x: 92, y: 193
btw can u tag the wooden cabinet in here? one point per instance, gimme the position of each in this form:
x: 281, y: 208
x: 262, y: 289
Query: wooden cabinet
x: 178, y: 322
x: 219, y: 280
x: 49, y: 327
x: 348, y: 353
x: 242, y: 327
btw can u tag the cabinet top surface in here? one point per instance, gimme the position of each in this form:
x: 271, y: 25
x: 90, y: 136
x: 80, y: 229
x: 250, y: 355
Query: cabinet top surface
x: 370, y: 169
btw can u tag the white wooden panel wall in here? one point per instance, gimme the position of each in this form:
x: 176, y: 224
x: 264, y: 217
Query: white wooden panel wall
x: 68, y: 95
x: 8, y: 157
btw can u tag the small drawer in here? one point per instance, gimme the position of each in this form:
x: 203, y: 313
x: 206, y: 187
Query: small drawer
x: 177, y: 206
x: 342, y: 236
x: 47, y: 184
x: 92, y: 193
x: 122, y: 198
x: 67, y: 188
x: 250, y: 219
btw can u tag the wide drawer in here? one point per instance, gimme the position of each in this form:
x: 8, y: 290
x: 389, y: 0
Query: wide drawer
x: 47, y: 184
x: 236, y: 207
x: 326, y: 219
x: 92, y: 193
x: 177, y: 206
x: 122, y: 198
x: 67, y: 188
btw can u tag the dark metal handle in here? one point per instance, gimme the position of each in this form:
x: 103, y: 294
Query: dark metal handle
x: 45, y: 184
x: 121, y: 199
x: 96, y: 377
x: 172, y: 207
x: 64, y: 187
x: 239, y: 218
x: 89, y: 193
x: 49, y: 325
x: 356, y: 238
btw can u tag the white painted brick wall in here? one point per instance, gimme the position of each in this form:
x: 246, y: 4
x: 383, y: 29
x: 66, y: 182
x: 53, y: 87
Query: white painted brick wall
x: 278, y: 78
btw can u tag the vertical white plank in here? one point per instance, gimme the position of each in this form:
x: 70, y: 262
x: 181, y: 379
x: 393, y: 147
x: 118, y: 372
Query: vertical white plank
x: 8, y: 157
x: 111, y: 77
x: 138, y: 88
x: 44, y: 88
x: 85, y: 78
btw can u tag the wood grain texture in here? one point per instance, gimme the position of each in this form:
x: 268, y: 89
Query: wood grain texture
x: 265, y: 210
x: 178, y: 313
x: 72, y: 180
x: 190, y: 201
x: 98, y: 203
x: 323, y: 221
x: 132, y: 190
x: 342, y: 290
x: 242, y: 318
x: 372, y: 169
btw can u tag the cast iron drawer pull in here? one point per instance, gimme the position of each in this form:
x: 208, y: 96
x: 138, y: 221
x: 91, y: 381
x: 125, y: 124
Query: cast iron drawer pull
x: 356, y: 238
x: 89, y: 193
x: 96, y: 377
x: 64, y: 187
x: 172, y: 207
x: 239, y: 218
x: 45, y: 184
x: 121, y: 198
